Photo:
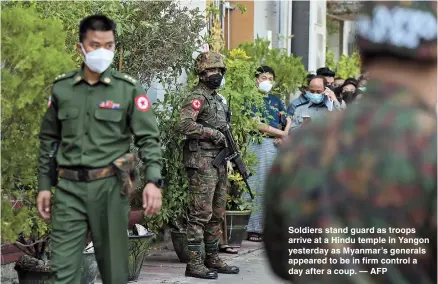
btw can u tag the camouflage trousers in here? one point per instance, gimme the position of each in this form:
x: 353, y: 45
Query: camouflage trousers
x: 207, y: 199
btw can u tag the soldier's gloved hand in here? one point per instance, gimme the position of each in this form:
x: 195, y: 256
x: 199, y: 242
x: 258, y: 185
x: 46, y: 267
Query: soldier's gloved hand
x: 218, y: 138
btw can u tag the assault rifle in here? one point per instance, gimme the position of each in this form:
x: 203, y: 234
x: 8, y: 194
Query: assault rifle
x: 231, y: 153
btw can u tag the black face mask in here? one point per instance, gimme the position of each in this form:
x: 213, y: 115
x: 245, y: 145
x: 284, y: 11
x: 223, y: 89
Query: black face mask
x: 348, y: 97
x: 213, y: 81
x: 331, y: 87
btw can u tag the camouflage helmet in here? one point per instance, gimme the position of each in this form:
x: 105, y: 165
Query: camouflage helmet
x: 405, y: 29
x: 207, y: 60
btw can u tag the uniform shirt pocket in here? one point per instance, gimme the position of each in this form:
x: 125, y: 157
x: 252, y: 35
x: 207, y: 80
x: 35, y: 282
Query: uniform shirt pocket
x: 69, y: 123
x: 109, y: 122
x: 110, y: 115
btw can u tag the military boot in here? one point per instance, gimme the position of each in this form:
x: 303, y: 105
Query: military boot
x: 195, y: 266
x: 213, y: 261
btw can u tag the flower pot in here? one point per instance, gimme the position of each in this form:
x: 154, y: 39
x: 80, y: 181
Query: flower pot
x: 135, y: 217
x: 180, y: 244
x: 237, y: 223
x: 32, y: 276
x: 137, y: 248
x: 34, y: 271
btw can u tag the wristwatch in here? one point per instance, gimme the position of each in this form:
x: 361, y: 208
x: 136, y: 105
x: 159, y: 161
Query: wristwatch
x: 158, y: 182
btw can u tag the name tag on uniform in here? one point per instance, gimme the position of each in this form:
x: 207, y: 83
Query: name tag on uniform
x: 109, y: 104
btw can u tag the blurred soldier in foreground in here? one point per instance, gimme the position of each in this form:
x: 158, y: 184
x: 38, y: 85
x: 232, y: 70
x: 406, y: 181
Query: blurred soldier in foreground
x: 202, y: 114
x: 373, y: 166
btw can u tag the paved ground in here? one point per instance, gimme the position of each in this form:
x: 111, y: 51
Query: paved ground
x: 164, y: 267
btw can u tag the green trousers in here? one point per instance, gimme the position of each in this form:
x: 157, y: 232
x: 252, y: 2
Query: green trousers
x: 97, y: 206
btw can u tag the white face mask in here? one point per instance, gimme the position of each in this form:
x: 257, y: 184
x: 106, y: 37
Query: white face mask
x: 265, y: 86
x: 98, y: 60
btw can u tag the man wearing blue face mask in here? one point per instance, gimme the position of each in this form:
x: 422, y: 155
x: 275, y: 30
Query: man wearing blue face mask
x: 315, y: 103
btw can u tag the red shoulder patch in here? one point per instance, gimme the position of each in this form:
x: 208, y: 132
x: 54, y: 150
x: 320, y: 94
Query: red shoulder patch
x: 196, y: 104
x: 142, y: 103
x: 50, y: 102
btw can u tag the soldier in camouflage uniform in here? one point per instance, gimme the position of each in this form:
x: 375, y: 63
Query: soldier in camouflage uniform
x: 202, y: 114
x: 373, y: 166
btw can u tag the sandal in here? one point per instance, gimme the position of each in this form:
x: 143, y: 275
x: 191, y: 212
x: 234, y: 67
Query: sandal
x: 254, y: 237
x: 227, y: 249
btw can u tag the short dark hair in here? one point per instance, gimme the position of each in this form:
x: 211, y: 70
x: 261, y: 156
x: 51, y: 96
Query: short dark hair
x: 96, y: 23
x: 350, y: 81
x: 324, y: 80
x: 264, y: 69
x: 325, y: 71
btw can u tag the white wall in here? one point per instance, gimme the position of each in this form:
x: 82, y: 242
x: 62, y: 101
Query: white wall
x: 274, y: 16
x: 317, y: 35
x: 261, y: 19
x: 333, y: 44
x: 348, y: 36
x: 285, y: 25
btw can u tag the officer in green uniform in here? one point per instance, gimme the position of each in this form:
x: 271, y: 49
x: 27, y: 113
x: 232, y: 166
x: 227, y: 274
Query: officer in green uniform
x: 202, y: 115
x: 92, y: 114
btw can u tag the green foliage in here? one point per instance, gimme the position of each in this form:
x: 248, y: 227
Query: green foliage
x: 330, y: 60
x: 33, y: 55
x: 241, y: 93
x: 12, y: 221
x: 21, y: 224
x: 175, y: 195
x: 332, y: 25
x: 155, y: 39
x: 289, y: 69
x: 241, y: 8
x: 348, y: 66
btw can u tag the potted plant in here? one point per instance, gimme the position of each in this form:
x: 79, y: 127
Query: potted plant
x: 34, y: 266
x: 240, y: 90
x: 138, y: 246
x: 23, y: 228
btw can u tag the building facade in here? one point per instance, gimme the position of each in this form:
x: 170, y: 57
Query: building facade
x: 298, y: 27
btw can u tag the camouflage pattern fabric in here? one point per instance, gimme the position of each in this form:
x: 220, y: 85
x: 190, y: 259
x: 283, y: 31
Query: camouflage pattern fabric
x: 126, y: 172
x: 207, y: 198
x: 373, y: 166
x: 202, y: 113
x: 213, y: 261
x: 406, y: 29
x: 195, y: 267
x: 209, y: 60
x: 94, y: 174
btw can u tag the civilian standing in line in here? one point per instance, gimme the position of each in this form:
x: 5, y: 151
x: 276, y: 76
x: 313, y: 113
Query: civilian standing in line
x: 271, y: 126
